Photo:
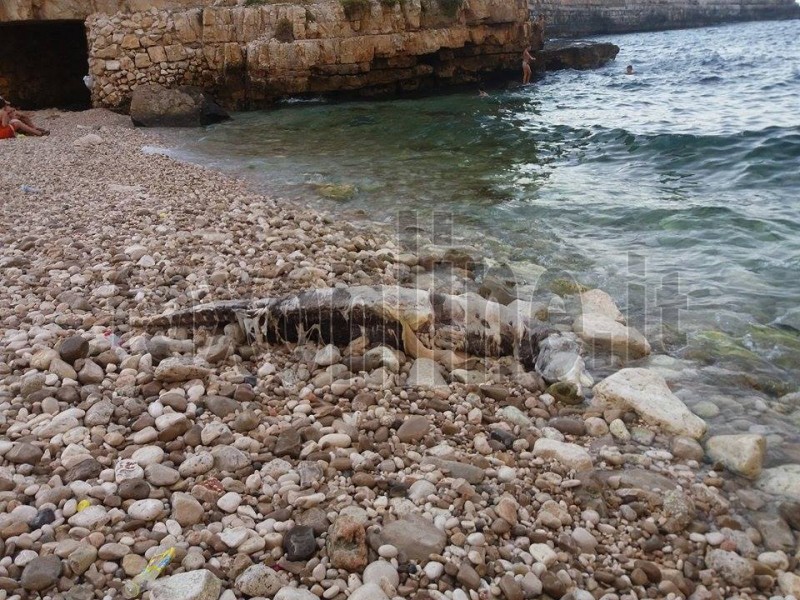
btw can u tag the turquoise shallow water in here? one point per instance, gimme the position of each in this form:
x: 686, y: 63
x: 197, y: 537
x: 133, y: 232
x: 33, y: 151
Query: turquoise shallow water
x: 677, y: 190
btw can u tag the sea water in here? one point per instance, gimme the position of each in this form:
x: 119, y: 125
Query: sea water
x: 676, y: 189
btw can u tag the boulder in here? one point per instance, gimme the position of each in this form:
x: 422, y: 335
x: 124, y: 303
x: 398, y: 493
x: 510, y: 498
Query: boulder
x: 157, y: 106
x: 570, y: 54
x: 741, y: 454
x: 646, y: 393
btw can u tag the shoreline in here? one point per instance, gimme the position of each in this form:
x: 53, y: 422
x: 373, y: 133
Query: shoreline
x: 521, y: 491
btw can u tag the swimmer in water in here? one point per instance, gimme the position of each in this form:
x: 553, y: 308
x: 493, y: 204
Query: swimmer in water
x: 629, y: 70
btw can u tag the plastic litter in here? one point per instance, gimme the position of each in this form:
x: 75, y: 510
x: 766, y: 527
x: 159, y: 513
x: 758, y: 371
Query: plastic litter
x: 134, y: 587
x: 83, y: 505
x: 27, y: 189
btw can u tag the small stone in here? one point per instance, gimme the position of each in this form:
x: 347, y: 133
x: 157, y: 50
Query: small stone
x: 230, y: 502
x: 133, y: 489
x: 186, y: 510
x: 368, y: 591
x: 425, y: 373
x: 468, y: 577
x: 381, y: 570
x: 679, y: 511
x: 43, y: 517
x: 570, y: 455
x: 510, y: 588
x: 74, y: 348
x: 23, y: 453
x: 741, y: 454
x: 565, y: 393
x: 289, y: 593
x: 259, y: 580
x: 41, y: 573
x: 347, y: 544
x: 544, y: 554
x: 415, y: 537
x: 133, y: 564
x: 181, y: 368
x: 194, y: 585
x: 789, y: 584
x: 146, y: 510
x: 413, y: 429
x: 731, y: 567
x: 82, y: 558
x: 329, y: 355
x: 84, y: 471
x: 299, y: 543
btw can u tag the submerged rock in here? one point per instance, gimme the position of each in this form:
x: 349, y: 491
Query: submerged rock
x: 647, y: 393
x: 783, y: 480
x: 742, y: 454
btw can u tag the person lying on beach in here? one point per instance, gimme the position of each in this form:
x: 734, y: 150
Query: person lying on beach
x: 13, y: 122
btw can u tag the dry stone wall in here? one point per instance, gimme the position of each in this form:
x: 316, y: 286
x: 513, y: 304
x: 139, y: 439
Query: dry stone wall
x: 581, y: 17
x: 249, y: 56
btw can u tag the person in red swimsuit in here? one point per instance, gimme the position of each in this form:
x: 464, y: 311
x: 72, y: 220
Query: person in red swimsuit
x: 12, y: 122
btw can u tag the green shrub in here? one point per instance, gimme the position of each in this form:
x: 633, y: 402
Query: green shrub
x: 389, y: 3
x: 355, y: 9
x: 284, y: 30
x: 254, y: 2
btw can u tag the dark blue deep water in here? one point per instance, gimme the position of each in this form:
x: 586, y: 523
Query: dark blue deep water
x: 677, y: 190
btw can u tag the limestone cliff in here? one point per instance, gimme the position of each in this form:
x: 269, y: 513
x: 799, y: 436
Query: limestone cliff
x: 582, y: 17
x: 248, y: 56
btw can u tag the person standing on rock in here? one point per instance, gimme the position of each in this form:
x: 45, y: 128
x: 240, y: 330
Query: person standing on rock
x: 527, y: 60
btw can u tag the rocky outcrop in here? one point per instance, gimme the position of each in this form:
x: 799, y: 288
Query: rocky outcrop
x: 62, y: 10
x: 577, y: 55
x: 154, y: 105
x: 583, y: 17
x: 249, y: 56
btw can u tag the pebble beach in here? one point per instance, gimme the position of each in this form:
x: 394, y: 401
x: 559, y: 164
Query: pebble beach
x: 306, y: 471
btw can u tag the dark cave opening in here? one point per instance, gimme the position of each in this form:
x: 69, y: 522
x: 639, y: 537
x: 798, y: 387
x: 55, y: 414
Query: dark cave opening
x: 42, y: 64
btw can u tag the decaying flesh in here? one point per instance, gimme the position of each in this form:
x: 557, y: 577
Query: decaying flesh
x: 452, y: 330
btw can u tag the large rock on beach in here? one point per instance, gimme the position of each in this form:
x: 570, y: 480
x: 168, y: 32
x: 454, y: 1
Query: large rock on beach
x: 646, y: 393
x: 742, y: 454
x: 186, y: 106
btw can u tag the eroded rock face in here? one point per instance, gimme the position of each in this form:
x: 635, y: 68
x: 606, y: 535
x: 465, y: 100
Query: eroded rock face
x: 248, y: 56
